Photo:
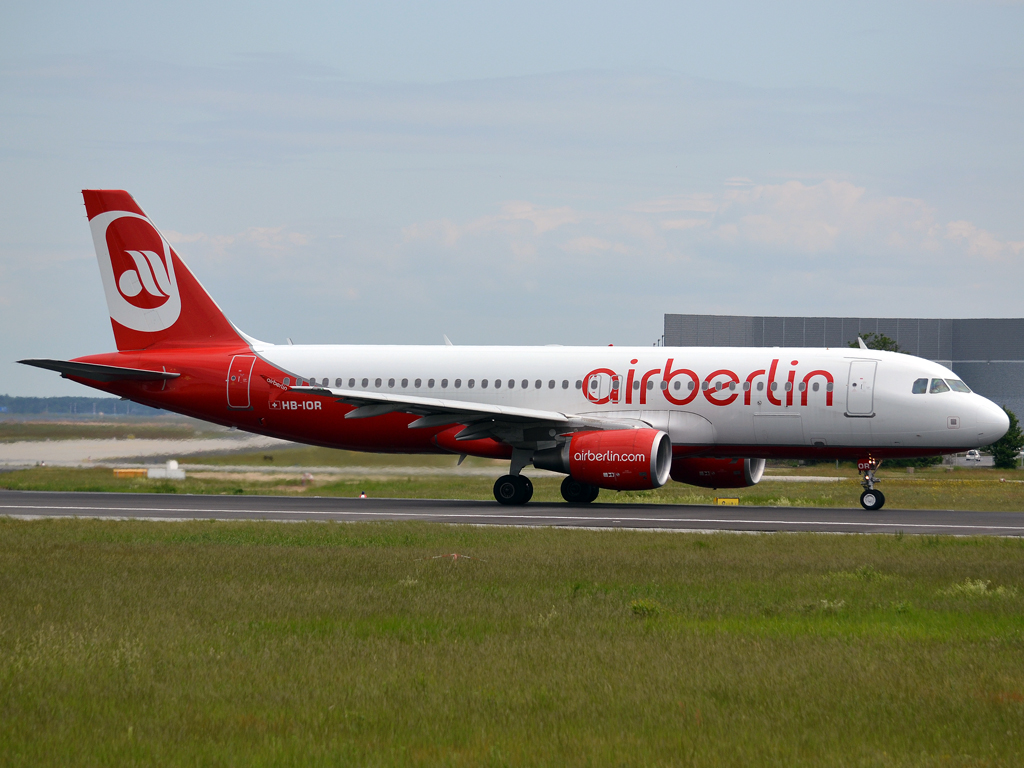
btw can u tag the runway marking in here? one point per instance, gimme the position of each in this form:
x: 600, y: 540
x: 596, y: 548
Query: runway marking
x: 573, y: 518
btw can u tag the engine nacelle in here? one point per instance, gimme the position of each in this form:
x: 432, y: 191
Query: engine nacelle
x: 619, y: 459
x: 717, y: 473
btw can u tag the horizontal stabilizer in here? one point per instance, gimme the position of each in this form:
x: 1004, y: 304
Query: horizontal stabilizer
x: 95, y: 372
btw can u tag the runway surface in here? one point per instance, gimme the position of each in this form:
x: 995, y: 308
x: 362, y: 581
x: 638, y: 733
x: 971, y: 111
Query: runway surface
x: 151, y: 506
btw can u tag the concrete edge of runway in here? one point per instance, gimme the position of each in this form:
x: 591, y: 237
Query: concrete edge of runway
x: 648, y: 517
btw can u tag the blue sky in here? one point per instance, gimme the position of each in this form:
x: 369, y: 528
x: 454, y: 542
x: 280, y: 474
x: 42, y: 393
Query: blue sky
x: 513, y: 173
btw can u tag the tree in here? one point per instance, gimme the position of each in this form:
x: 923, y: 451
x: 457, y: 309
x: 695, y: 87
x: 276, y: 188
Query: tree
x: 877, y: 341
x: 1005, y: 449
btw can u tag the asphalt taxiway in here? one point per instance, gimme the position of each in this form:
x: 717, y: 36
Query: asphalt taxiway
x: 151, y: 506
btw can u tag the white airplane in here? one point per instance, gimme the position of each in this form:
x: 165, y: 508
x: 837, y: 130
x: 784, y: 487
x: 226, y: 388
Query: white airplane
x: 621, y: 418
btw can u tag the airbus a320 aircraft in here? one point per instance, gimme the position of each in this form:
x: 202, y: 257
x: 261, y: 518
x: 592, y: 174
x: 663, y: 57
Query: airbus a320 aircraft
x: 621, y: 418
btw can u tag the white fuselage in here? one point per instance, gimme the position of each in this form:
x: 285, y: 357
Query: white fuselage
x: 813, y: 398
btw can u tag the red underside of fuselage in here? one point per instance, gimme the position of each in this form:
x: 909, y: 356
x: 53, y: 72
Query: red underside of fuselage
x: 200, y: 392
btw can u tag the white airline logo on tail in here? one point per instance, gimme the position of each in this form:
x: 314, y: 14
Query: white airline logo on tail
x: 137, y: 271
x: 149, y: 274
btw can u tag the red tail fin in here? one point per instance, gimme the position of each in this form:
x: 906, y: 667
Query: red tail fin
x: 154, y: 300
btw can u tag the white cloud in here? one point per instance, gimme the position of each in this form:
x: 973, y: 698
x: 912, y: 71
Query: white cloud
x: 270, y: 240
x: 810, y: 219
x: 978, y: 242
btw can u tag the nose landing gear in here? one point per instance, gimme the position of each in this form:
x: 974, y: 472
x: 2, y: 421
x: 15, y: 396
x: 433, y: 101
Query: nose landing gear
x: 871, y: 499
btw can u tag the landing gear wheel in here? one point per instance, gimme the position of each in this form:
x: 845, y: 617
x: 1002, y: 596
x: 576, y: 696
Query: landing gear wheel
x: 872, y: 500
x: 513, y: 490
x: 576, y: 492
x: 527, y: 487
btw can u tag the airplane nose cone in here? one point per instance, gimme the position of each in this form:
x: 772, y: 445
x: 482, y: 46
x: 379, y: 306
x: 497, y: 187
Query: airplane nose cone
x: 993, y: 422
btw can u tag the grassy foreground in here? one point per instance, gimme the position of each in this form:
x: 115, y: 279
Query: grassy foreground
x: 305, y: 644
x: 974, y: 489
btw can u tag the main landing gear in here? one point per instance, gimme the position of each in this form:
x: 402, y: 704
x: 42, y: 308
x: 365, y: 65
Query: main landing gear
x: 872, y: 499
x: 576, y: 492
x: 513, y: 490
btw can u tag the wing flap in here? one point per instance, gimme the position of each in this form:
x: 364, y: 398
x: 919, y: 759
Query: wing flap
x: 429, y: 406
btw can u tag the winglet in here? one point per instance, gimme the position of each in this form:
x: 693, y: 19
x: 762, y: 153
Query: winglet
x: 447, y: 341
x: 860, y: 341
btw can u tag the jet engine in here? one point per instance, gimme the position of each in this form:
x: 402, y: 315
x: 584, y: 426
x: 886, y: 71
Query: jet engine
x: 717, y: 473
x: 619, y: 459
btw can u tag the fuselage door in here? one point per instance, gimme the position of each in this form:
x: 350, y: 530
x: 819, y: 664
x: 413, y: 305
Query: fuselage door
x: 860, y: 391
x: 599, y: 388
x: 239, y: 373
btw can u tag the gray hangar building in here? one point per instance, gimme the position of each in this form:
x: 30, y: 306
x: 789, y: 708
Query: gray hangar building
x: 986, y: 353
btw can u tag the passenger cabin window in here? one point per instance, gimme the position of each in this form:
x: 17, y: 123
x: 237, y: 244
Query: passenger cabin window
x: 938, y: 385
x: 957, y: 386
x: 405, y: 383
x: 920, y: 386
x: 351, y: 382
x: 337, y: 383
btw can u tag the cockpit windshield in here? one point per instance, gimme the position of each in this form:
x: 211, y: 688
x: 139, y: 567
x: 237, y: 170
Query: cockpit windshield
x: 939, y: 385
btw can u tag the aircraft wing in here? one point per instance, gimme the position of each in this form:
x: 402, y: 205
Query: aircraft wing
x: 482, y: 419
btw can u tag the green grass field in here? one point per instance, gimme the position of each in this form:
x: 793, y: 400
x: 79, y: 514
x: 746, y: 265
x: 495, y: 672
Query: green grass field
x: 314, y: 644
x: 974, y: 489
x: 15, y: 430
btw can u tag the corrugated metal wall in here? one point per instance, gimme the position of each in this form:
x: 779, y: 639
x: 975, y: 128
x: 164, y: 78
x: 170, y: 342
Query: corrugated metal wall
x: 988, y: 354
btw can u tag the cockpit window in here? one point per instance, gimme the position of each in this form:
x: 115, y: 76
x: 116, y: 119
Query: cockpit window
x: 920, y: 386
x: 938, y: 385
x: 957, y: 386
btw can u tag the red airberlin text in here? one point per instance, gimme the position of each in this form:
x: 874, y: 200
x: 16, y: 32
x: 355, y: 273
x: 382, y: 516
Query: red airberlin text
x: 681, y: 386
